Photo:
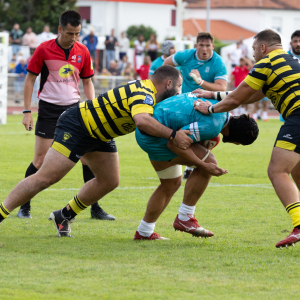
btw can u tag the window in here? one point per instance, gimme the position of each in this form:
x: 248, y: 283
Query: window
x: 173, y: 17
x: 85, y: 12
x: 277, y: 23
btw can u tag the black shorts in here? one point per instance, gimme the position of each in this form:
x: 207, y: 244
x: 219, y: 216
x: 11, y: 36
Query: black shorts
x: 72, y: 139
x: 289, y: 135
x: 47, y: 118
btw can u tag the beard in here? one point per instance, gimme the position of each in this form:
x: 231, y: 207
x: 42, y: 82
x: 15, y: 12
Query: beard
x: 170, y: 93
x: 296, y: 50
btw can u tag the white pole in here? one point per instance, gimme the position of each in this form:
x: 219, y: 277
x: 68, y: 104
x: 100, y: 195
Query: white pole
x: 179, y: 20
x: 207, y: 15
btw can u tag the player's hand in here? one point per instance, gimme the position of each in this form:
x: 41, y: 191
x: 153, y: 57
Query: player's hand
x: 214, y: 170
x: 182, y: 140
x: 203, y: 94
x: 196, y: 76
x: 202, y: 106
x: 28, y: 121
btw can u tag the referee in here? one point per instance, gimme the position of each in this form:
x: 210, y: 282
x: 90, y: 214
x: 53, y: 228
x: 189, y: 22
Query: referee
x: 61, y: 62
x: 277, y: 76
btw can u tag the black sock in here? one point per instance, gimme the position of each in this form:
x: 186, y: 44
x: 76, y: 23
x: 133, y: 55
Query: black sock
x: 1, y: 218
x: 68, y: 213
x: 87, y: 176
x: 30, y: 171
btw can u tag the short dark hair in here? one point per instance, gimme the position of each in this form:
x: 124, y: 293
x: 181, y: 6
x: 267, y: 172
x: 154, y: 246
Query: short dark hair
x: 242, y: 129
x: 296, y: 33
x: 269, y: 37
x: 71, y: 17
x: 166, y: 72
x: 205, y: 36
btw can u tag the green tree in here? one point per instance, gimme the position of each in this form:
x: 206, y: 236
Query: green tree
x: 34, y: 13
x: 134, y: 31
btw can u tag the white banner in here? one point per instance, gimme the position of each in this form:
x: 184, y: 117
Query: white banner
x: 3, y: 76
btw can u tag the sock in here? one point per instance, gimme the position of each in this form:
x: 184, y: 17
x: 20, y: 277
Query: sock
x: 184, y: 212
x: 3, y: 212
x: 189, y: 169
x: 87, y: 176
x: 146, y: 229
x: 294, y: 212
x: 30, y: 171
x: 265, y: 115
x: 74, y: 207
x: 259, y: 112
x: 254, y: 116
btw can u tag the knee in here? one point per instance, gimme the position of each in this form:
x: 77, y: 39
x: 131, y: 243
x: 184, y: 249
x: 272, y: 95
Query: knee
x: 171, y: 186
x: 211, y: 159
x: 45, y: 182
x: 271, y: 172
x: 110, y: 183
x: 38, y: 161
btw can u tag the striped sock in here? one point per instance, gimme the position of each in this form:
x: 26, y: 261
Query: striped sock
x: 294, y: 212
x: 3, y: 212
x: 74, y: 207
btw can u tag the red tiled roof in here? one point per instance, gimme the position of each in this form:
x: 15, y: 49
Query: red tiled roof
x: 265, y: 4
x: 222, y: 30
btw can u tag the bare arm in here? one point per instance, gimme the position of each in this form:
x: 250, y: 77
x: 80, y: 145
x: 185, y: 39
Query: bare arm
x: 218, y: 85
x: 88, y: 88
x: 28, y: 89
x: 241, y: 95
x: 190, y: 156
x: 147, y: 123
x: 168, y: 62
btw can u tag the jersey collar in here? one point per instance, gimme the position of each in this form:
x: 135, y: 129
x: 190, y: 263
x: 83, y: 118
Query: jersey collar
x: 203, y: 61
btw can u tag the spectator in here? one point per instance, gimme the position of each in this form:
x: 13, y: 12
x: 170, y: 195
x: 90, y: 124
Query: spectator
x: 235, y: 55
x: 152, y: 47
x: 91, y: 42
x: 19, y: 81
x: 46, y: 35
x: 110, y: 44
x: 139, y: 46
x: 256, y: 111
x: 243, y: 47
x: 128, y: 71
x: 113, y: 68
x: 123, y: 45
x: 122, y: 64
x: 12, y: 64
x: 30, y: 39
x: 167, y: 48
x: 15, y: 38
x: 144, y: 69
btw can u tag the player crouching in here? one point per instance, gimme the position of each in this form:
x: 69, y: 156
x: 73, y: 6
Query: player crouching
x: 178, y: 112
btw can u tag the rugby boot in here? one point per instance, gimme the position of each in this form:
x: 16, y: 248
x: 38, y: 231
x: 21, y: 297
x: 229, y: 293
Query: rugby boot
x: 290, y: 240
x: 153, y: 236
x: 191, y: 226
x: 62, y: 225
x: 24, y: 213
x: 187, y: 174
x: 99, y: 213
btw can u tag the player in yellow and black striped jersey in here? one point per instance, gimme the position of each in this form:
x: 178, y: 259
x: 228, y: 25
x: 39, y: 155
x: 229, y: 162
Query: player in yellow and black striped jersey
x: 277, y: 76
x: 111, y: 114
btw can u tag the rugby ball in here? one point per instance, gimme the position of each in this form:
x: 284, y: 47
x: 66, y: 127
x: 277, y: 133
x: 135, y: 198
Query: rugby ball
x: 212, y: 142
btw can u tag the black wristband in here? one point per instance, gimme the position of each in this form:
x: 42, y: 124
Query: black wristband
x: 173, y: 134
x: 211, y: 110
x: 25, y: 111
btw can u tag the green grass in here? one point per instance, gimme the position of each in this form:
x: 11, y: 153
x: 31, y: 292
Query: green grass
x: 103, y: 262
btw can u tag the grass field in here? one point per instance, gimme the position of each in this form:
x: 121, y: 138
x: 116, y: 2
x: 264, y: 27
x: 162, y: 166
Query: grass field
x: 103, y: 262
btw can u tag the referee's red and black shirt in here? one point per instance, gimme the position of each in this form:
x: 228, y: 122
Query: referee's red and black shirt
x: 60, y: 71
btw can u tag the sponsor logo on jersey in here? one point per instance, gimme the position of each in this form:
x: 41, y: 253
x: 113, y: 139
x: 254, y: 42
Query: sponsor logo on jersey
x: 288, y: 136
x: 67, y: 135
x: 128, y: 127
x: 149, y: 100
x: 74, y: 58
x: 252, y: 70
x: 207, y: 70
x: 66, y: 71
x: 79, y: 58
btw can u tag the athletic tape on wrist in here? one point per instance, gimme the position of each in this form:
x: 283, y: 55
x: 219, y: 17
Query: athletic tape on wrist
x: 220, y: 95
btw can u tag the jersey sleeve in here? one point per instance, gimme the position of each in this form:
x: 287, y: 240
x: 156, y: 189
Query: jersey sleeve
x: 152, y: 68
x: 141, y: 103
x: 37, y: 61
x: 87, y: 70
x: 178, y: 58
x: 221, y: 71
x: 258, y: 75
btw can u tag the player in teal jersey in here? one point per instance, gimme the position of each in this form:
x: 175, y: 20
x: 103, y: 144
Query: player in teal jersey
x: 178, y: 112
x: 295, y: 44
x: 200, y: 67
x: 167, y: 49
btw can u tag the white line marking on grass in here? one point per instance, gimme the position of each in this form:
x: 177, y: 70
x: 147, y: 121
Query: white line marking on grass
x: 262, y: 186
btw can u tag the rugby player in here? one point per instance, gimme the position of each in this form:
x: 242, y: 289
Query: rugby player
x: 61, y: 62
x: 295, y: 44
x: 88, y: 130
x: 277, y: 76
x: 178, y: 112
x: 200, y: 67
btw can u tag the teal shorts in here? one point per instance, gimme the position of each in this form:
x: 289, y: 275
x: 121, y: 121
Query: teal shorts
x: 155, y: 147
x: 264, y: 99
